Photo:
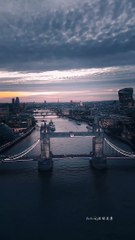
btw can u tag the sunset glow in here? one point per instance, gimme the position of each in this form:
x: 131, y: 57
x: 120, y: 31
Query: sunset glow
x: 84, y: 84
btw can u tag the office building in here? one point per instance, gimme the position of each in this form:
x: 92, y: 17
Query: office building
x: 126, y: 98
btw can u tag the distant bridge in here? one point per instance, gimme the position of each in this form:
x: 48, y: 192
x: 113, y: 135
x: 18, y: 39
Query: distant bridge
x: 44, y: 114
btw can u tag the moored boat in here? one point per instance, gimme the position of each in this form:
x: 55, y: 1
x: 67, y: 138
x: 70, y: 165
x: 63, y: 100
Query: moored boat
x: 51, y: 126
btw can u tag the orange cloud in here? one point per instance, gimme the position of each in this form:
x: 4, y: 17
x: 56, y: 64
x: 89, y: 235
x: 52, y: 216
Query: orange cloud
x: 14, y: 94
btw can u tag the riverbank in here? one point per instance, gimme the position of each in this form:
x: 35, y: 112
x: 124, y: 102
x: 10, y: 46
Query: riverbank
x: 121, y: 139
x: 18, y: 139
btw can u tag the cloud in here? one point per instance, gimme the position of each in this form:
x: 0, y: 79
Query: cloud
x: 38, y: 29
x: 70, y: 79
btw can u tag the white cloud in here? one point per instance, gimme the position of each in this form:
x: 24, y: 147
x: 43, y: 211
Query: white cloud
x: 67, y: 76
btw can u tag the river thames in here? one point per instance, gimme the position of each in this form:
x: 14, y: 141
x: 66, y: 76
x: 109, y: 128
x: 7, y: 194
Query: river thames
x: 74, y: 201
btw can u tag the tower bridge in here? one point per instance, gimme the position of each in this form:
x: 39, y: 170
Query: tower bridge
x: 102, y: 150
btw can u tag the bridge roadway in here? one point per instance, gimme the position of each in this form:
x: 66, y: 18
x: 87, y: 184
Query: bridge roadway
x: 71, y: 134
x: 36, y: 159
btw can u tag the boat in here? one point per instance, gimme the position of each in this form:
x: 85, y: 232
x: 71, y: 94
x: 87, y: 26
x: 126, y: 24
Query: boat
x: 71, y: 134
x: 51, y: 123
x: 89, y: 127
x: 90, y: 124
x: 51, y: 126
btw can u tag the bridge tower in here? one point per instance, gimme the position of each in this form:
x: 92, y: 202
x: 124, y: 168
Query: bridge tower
x: 45, y: 162
x: 98, y: 159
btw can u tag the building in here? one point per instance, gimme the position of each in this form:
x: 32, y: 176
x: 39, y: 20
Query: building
x: 15, y: 106
x: 6, y: 134
x: 13, y: 101
x: 4, y: 113
x: 126, y: 98
x: 17, y: 101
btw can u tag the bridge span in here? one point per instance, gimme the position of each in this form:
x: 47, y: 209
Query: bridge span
x: 70, y: 134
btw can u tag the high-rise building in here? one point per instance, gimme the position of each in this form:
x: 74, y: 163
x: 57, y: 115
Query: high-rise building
x: 13, y: 101
x: 126, y: 97
x: 17, y: 101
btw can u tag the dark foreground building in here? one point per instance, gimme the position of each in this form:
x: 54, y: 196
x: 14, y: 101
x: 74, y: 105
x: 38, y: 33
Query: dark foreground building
x: 6, y: 134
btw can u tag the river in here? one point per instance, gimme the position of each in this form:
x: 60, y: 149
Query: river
x: 69, y: 202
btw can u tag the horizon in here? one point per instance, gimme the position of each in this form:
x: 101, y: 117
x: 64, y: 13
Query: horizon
x: 77, y: 84
x: 59, y: 102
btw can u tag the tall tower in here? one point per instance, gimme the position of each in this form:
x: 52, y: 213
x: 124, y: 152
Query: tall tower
x: 98, y: 159
x: 45, y: 162
x: 13, y: 101
x: 17, y: 101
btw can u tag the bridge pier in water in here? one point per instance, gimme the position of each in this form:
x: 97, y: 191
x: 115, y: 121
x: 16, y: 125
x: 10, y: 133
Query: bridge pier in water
x: 98, y: 158
x: 45, y: 162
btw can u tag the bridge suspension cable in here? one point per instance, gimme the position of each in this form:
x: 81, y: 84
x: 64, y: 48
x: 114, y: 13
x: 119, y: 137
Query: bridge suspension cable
x: 23, y: 153
x: 18, y: 154
x: 119, y: 150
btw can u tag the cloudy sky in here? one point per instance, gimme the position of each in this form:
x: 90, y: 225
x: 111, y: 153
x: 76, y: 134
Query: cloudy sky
x: 53, y: 49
